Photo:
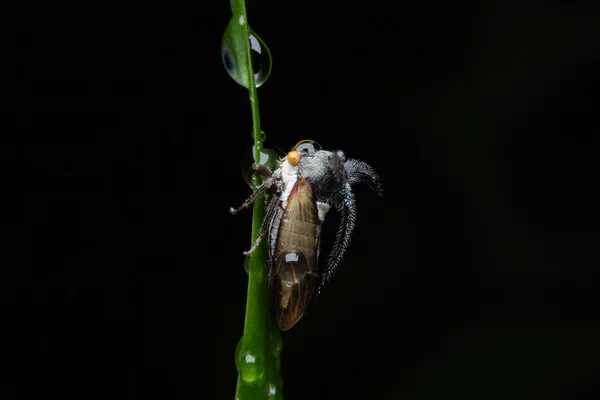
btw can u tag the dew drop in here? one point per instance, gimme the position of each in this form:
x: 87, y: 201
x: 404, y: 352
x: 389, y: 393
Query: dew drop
x: 234, y: 53
x: 272, y: 391
x: 237, y: 354
x: 306, y: 147
x: 263, y: 135
x: 251, y: 367
x: 261, y: 59
x: 247, y: 265
x: 268, y: 158
x: 275, y: 343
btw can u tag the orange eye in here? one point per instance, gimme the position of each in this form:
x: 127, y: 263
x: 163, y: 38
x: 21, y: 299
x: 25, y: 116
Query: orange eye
x: 293, y: 157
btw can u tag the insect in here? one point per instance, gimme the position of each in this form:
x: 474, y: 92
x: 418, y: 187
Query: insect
x: 301, y: 191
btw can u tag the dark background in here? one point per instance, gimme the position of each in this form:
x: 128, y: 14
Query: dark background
x: 473, y: 277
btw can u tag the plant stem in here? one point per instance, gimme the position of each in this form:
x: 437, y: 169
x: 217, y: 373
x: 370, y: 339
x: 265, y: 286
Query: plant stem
x: 257, y: 356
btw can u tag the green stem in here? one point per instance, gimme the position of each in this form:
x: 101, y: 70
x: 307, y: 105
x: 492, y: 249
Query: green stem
x: 257, y: 356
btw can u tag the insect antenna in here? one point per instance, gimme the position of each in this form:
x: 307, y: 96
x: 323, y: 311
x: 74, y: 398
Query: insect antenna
x: 279, y: 148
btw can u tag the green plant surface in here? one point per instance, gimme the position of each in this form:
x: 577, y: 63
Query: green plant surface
x: 257, y: 354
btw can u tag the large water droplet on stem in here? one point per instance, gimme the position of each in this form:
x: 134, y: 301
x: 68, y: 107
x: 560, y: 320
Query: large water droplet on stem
x: 234, y: 47
x: 268, y: 158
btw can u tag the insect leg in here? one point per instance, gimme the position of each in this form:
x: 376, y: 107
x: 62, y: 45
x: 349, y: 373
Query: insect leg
x: 255, y: 195
x: 271, y: 208
x: 347, y: 208
x: 361, y: 172
x: 261, y: 169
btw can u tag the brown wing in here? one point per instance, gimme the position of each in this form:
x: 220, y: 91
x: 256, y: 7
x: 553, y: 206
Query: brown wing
x: 293, y: 276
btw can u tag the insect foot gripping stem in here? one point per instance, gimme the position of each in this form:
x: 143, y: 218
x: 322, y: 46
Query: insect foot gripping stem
x: 255, y: 245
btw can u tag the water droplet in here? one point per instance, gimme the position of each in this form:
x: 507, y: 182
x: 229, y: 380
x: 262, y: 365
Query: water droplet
x: 234, y: 53
x: 247, y: 265
x: 272, y: 390
x: 306, y: 147
x: 237, y: 354
x: 263, y: 135
x: 261, y: 59
x: 251, y: 367
x: 268, y: 158
x: 275, y: 342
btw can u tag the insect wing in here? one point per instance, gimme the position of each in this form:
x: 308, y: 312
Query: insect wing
x: 293, y: 275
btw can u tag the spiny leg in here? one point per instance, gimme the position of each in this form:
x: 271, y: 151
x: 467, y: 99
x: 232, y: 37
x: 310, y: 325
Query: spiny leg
x: 261, y: 169
x: 361, y: 172
x: 347, y: 209
x: 255, y: 195
x: 270, y: 181
x: 358, y: 172
x: 264, y: 226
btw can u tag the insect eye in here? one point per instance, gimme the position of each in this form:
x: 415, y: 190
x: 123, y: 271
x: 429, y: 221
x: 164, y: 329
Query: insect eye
x: 293, y: 157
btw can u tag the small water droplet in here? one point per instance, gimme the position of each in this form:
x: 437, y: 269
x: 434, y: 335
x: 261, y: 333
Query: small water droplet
x: 237, y: 354
x: 251, y: 367
x: 234, y: 53
x: 275, y: 343
x: 272, y: 390
x: 263, y: 135
x: 247, y: 265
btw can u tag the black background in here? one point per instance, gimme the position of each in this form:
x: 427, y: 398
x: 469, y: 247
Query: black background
x: 473, y: 277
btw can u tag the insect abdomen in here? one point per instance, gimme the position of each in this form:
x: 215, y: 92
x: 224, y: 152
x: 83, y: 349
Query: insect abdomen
x: 294, y: 272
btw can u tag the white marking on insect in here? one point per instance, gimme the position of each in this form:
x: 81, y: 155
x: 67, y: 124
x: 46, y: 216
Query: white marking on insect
x: 289, y: 176
x: 323, y: 208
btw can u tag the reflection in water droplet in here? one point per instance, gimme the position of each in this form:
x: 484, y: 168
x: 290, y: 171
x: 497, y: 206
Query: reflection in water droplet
x: 307, y: 147
x: 234, y: 53
x: 251, y: 367
x: 268, y: 158
x: 263, y: 135
x: 247, y: 265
